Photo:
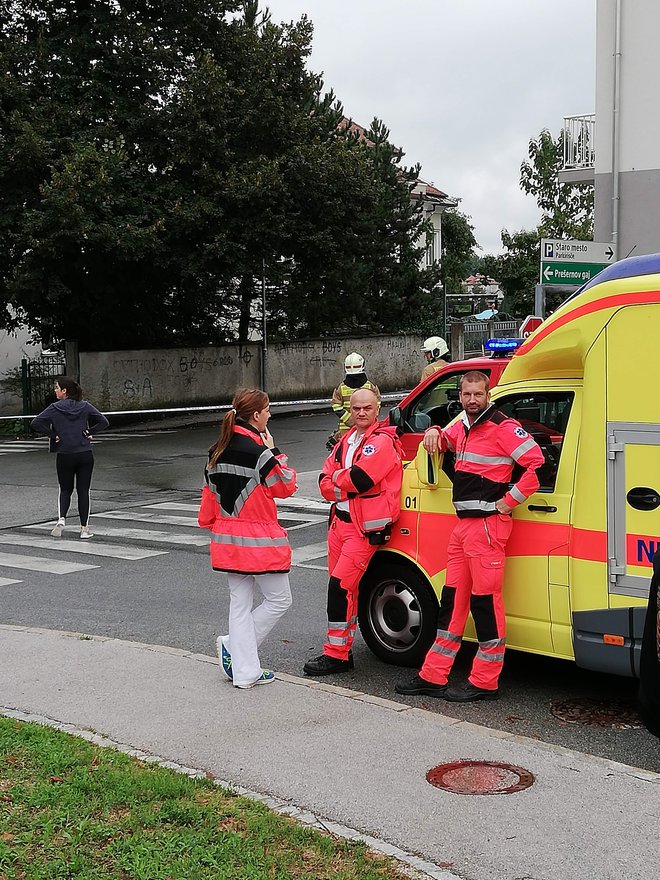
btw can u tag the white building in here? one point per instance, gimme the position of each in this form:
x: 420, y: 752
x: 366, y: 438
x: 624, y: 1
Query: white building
x: 618, y: 147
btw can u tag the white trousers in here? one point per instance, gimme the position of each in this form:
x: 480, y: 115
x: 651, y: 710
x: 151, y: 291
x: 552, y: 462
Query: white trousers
x: 248, y: 628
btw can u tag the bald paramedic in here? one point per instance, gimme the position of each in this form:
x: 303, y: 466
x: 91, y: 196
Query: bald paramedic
x: 362, y: 477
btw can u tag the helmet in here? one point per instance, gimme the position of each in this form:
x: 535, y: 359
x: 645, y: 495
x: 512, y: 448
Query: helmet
x: 435, y: 346
x: 354, y: 363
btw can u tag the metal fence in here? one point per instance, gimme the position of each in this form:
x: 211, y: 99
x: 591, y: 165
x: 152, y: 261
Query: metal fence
x: 38, y: 377
x: 579, y: 146
x: 467, y: 339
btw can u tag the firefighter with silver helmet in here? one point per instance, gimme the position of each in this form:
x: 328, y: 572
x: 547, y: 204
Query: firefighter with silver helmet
x: 436, y: 352
x: 355, y: 377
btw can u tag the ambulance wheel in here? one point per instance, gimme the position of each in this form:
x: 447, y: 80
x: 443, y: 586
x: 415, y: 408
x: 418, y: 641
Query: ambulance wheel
x: 397, y: 611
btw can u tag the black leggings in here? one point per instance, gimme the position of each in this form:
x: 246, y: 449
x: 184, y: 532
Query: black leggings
x: 76, y: 466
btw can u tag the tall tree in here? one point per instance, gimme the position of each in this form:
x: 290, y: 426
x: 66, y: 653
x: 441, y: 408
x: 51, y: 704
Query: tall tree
x: 567, y: 209
x: 516, y: 270
x: 566, y: 212
x: 360, y: 271
x: 156, y: 159
x: 458, y: 249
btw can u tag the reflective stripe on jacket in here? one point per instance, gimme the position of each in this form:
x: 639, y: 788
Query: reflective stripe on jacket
x: 486, y: 453
x: 240, y: 511
x: 372, y: 484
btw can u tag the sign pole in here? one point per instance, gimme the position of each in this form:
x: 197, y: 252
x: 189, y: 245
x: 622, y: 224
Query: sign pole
x: 539, y: 300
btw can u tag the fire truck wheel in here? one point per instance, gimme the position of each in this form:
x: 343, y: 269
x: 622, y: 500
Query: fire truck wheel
x: 397, y: 611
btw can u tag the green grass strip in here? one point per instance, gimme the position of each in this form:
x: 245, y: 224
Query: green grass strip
x: 69, y: 809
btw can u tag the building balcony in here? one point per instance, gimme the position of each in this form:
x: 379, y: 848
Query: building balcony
x: 579, y: 152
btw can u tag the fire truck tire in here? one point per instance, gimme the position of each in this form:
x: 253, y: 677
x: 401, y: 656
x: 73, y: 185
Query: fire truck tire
x: 397, y: 611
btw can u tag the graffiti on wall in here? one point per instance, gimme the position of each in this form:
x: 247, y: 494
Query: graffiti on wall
x: 305, y: 368
x: 142, y: 379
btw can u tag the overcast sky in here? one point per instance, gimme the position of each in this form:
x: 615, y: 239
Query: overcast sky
x: 462, y: 85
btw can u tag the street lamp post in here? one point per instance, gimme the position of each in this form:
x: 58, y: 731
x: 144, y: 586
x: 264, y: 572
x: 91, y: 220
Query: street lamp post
x: 264, y: 332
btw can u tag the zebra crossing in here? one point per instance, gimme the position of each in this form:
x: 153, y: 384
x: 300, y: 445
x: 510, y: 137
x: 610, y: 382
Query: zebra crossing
x: 121, y: 534
x: 40, y: 444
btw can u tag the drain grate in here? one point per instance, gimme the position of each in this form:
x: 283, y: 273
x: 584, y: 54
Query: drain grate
x: 611, y: 714
x: 480, y: 777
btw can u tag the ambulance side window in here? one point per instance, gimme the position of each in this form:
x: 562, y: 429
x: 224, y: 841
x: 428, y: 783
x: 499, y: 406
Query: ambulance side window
x: 440, y: 401
x: 544, y: 416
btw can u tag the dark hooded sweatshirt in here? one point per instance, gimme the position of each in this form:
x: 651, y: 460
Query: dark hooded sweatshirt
x: 73, y: 421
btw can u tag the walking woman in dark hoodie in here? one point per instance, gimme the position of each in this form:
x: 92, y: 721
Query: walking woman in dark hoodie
x: 71, y: 423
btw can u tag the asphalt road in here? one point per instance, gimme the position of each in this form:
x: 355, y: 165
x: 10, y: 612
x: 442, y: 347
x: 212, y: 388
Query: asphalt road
x: 146, y: 479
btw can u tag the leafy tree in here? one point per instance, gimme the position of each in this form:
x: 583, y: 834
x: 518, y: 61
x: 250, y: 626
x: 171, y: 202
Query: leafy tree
x: 157, y: 160
x: 567, y: 209
x: 516, y: 270
x: 458, y: 249
x: 360, y: 269
x: 566, y: 212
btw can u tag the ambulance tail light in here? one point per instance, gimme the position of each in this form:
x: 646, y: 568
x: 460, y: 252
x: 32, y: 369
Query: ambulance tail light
x: 501, y: 347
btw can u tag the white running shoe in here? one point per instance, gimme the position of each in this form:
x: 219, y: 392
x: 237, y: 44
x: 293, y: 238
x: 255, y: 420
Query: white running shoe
x: 267, y: 676
x: 85, y: 532
x: 59, y: 528
x: 224, y: 658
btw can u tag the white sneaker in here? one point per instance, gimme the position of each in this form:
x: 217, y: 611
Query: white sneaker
x: 59, y: 528
x: 267, y: 676
x: 85, y: 532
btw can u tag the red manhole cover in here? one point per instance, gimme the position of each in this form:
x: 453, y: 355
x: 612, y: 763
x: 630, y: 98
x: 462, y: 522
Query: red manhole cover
x: 480, y: 777
x: 612, y: 714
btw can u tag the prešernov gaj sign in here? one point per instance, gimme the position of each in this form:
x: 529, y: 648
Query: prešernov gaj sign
x: 569, y: 261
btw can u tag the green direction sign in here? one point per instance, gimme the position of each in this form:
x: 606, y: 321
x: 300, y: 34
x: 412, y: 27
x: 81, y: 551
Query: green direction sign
x: 569, y: 272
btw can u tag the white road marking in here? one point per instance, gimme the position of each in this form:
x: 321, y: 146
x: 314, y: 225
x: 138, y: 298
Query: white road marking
x: 304, y: 503
x: 310, y: 519
x: 4, y: 582
x: 35, y: 563
x: 91, y: 547
x: 138, y: 534
x: 41, y: 443
x: 172, y: 505
x: 143, y: 516
x: 309, y: 504
x: 309, y: 552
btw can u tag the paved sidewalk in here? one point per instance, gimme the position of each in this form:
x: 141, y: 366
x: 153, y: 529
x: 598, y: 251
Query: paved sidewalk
x: 347, y: 757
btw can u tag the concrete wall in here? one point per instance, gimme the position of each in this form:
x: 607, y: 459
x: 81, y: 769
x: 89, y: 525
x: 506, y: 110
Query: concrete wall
x: 126, y: 380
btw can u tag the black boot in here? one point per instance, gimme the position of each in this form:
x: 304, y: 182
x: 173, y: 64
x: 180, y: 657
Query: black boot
x: 325, y: 665
x: 419, y: 685
x: 468, y: 693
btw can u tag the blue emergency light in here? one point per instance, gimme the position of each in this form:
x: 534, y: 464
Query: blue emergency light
x: 502, y: 347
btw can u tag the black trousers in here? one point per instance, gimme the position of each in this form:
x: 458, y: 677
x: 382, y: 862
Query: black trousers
x: 74, y: 468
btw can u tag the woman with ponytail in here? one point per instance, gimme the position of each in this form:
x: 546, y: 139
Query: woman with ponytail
x: 244, y: 475
x: 71, y: 423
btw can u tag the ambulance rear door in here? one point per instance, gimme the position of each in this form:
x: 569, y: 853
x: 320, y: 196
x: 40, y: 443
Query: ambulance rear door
x: 633, y: 451
x: 633, y: 505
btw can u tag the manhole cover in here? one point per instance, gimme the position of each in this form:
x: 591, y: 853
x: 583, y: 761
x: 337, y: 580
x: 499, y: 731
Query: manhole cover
x: 480, y: 777
x: 612, y: 714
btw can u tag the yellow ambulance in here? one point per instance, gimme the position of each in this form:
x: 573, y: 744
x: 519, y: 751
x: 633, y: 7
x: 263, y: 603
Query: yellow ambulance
x: 586, y: 385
